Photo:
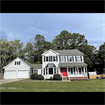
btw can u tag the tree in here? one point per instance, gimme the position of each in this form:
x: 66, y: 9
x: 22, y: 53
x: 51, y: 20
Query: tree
x: 29, y: 52
x: 89, y: 55
x: 66, y: 40
x: 101, y: 58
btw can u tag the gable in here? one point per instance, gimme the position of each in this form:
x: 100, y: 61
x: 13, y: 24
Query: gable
x: 12, y: 66
x: 50, y: 53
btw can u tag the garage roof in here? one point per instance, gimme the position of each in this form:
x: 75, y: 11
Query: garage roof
x: 35, y: 66
x: 92, y: 73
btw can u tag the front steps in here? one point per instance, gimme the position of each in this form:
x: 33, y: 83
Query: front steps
x: 65, y: 79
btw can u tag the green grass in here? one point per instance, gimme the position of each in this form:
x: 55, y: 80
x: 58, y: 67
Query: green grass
x: 29, y: 85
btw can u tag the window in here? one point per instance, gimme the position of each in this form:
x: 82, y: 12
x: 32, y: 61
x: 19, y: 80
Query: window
x: 17, y: 62
x: 62, y: 58
x: 46, y: 58
x: 71, y: 71
x: 78, y: 58
x: 79, y: 70
x: 53, y: 58
x: 50, y: 70
x: 46, y: 71
x: 36, y: 71
x: 50, y: 58
x: 54, y: 70
x: 70, y: 58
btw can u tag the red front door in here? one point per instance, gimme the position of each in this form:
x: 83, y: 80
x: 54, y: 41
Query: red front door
x: 63, y: 71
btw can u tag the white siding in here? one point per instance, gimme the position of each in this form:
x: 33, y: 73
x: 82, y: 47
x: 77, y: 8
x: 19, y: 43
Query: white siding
x: 22, y: 66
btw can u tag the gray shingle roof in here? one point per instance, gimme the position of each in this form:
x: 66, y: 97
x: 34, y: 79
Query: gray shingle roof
x: 79, y: 64
x: 37, y: 66
x: 69, y: 52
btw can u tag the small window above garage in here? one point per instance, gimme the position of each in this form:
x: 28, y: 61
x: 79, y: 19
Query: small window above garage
x: 17, y: 62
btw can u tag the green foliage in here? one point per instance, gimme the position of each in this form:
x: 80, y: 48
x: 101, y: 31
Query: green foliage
x: 51, y: 78
x: 57, y: 77
x: 40, y: 77
x: 34, y: 76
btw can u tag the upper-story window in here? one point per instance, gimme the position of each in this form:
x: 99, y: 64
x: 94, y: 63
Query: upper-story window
x: 62, y: 58
x: 78, y: 59
x: 53, y: 58
x: 17, y: 62
x: 50, y: 58
x: 46, y: 58
x: 70, y: 59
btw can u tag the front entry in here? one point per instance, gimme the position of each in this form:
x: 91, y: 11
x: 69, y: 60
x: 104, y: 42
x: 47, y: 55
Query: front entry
x: 64, y: 71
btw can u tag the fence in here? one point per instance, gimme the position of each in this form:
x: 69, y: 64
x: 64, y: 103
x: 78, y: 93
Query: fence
x: 95, y: 76
x: 1, y: 75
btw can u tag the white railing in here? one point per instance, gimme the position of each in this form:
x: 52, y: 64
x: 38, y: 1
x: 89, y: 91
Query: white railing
x: 68, y: 76
x: 61, y: 76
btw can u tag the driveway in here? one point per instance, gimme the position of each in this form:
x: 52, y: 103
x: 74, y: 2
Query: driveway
x: 2, y: 81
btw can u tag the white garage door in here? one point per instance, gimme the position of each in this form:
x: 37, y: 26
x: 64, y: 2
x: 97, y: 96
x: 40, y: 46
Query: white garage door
x: 23, y: 74
x: 11, y: 74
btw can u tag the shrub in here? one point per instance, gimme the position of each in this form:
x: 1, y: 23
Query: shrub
x: 40, y: 77
x: 51, y: 78
x: 34, y: 76
x: 57, y: 77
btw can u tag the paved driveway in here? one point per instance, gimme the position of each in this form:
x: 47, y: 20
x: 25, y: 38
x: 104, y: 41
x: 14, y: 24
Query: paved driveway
x: 2, y: 81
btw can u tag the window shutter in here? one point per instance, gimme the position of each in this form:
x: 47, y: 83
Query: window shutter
x: 56, y: 58
x: 76, y: 58
x: 64, y: 58
x: 73, y: 58
x: 44, y: 58
x: 60, y: 58
x: 81, y: 58
x: 51, y: 58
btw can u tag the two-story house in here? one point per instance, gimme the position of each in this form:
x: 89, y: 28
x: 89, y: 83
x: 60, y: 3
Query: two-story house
x: 68, y: 63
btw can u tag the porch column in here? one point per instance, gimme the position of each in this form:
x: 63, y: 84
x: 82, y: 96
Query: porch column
x: 47, y: 71
x: 77, y: 70
x: 53, y: 70
x: 73, y: 70
x: 84, y: 70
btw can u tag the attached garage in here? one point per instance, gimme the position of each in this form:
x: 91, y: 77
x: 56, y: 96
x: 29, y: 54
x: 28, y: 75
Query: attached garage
x: 18, y: 68
x: 10, y: 74
x: 23, y: 73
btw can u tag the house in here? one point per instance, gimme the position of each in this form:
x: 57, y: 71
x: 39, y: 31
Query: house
x: 68, y: 63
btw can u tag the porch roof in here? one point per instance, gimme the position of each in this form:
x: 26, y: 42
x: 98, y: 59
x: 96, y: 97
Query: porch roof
x: 37, y: 66
x: 79, y: 64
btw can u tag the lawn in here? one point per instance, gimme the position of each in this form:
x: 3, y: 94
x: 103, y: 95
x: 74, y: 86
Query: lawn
x: 29, y: 85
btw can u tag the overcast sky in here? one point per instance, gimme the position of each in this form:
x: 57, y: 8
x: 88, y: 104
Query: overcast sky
x: 25, y: 26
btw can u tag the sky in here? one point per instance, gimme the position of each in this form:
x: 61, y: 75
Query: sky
x: 24, y: 26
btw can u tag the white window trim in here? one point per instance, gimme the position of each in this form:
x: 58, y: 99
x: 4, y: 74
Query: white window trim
x: 63, y: 59
x: 71, y: 58
x: 79, y: 59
